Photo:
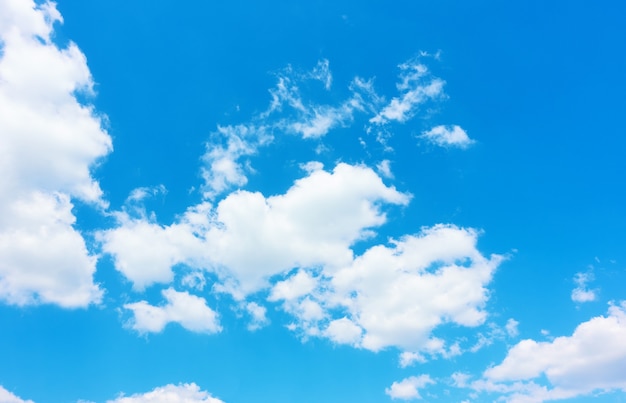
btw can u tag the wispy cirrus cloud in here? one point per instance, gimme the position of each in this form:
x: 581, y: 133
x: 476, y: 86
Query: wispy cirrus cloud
x: 416, y: 86
x: 391, y: 296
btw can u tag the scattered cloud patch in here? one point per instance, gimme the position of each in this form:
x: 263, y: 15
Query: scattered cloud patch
x: 248, y: 238
x: 416, y: 86
x: 190, y: 311
x: 257, y: 315
x: 223, y: 167
x: 591, y: 360
x: 182, y: 393
x: 408, y: 388
x: 581, y: 293
x: 50, y: 143
x: 511, y: 327
x: 447, y: 136
x: 384, y: 169
x: 396, y: 295
x: 8, y: 397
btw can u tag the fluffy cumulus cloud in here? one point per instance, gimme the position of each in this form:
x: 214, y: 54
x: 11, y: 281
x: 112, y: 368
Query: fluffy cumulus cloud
x: 247, y: 237
x: 592, y: 359
x: 182, y: 393
x: 392, y: 295
x: 408, y: 388
x: 190, y: 311
x: 395, y: 295
x: 447, y: 136
x: 8, y: 397
x: 50, y: 142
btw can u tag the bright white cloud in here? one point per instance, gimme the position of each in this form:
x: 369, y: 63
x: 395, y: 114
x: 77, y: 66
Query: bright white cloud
x: 182, y: 393
x: 145, y: 251
x: 396, y: 295
x: 582, y: 293
x: 8, y: 397
x: 408, y: 388
x: 50, y: 142
x: 343, y: 331
x: 190, y: 311
x: 592, y: 359
x: 448, y: 136
x: 247, y: 238
x: 399, y: 294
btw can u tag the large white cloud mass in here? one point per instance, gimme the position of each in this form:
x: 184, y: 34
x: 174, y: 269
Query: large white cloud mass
x: 395, y: 295
x: 591, y: 360
x: 49, y: 143
x: 299, y: 247
x: 248, y: 238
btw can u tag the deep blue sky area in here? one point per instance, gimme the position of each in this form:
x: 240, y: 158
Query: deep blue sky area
x: 325, y: 201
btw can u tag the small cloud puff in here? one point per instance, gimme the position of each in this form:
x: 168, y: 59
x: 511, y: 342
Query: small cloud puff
x: 408, y: 388
x: 581, y: 293
x: 448, y: 136
x: 190, y: 311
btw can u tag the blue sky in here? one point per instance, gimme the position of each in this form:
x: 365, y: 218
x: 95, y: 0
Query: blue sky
x: 312, y: 202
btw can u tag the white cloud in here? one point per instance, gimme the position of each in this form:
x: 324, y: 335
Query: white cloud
x: 592, y: 359
x: 343, y: 331
x: 322, y: 73
x: 581, y: 293
x: 290, y: 112
x: 50, y: 142
x: 511, y: 327
x: 247, y: 238
x: 384, y: 168
x: 398, y: 294
x: 394, y: 296
x: 408, y: 358
x: 182, y: 393
x: 448, y: 136
x: 194, y: 280
x: 408, y: 388
x: 301, y: 283
x: 460, y: 379
x: 8, y: 397
x: 416, y: 86
x: 145, y: 251
x: 223, y: 168
x: 190, y: 311
x: 257, y: 314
